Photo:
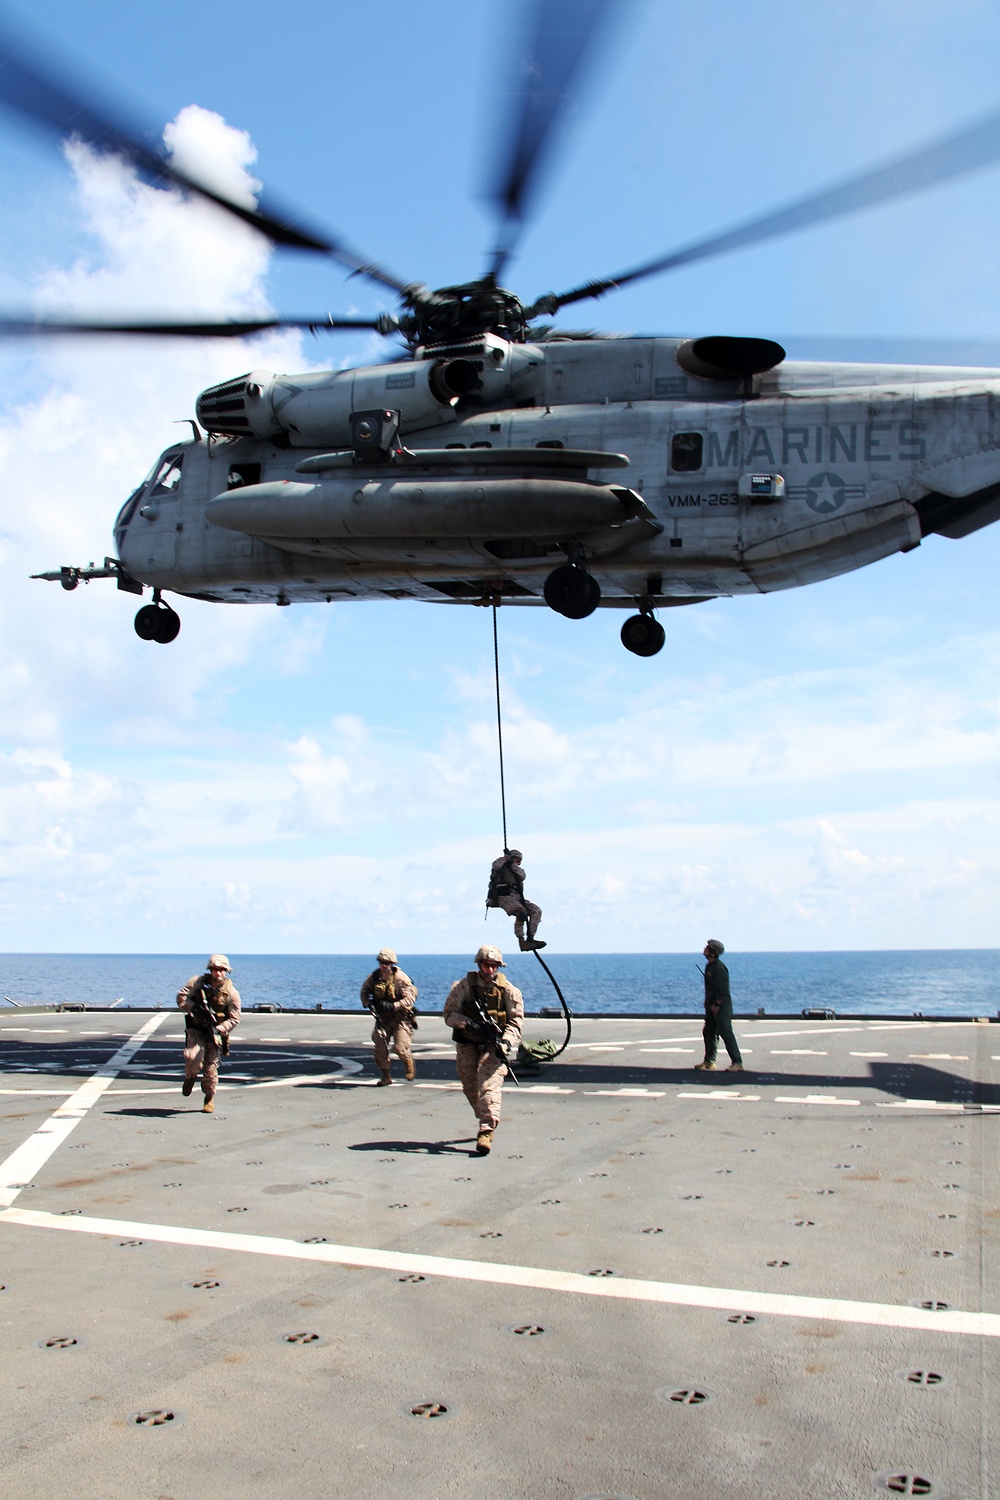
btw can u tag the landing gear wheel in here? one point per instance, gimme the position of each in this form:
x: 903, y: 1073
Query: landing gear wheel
x: 157, y: 622
x: 571, y: 592
x: 146, y: 622
x: 642, y: 635
x: 167, y: 626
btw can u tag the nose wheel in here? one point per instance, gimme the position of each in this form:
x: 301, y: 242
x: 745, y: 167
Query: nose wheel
x: 157, y: 622
x: 642, y: 635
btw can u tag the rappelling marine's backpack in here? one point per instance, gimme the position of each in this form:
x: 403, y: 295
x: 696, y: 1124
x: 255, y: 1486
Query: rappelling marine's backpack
x: 503, y: 882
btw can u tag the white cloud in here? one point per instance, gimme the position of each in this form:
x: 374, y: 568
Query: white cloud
x: 211, y: 152
x: 321, y: 786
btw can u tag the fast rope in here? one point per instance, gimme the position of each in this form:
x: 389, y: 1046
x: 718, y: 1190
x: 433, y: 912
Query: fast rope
x: 496, y: 678
x: 503, y: 813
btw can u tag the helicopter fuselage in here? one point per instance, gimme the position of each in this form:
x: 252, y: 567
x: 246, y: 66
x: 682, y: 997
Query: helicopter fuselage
x: 511, y: 459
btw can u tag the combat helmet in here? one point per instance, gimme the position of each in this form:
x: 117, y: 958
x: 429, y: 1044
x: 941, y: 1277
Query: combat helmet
x: 386, y: 956
x: 487, y: 954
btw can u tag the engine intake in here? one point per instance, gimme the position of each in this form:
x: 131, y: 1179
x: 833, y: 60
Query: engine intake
x: 240, y: 407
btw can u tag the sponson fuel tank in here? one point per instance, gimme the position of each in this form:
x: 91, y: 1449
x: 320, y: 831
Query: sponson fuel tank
x: 393, y: 506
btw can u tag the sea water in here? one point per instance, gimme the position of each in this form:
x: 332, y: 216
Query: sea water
x: 941, y: 982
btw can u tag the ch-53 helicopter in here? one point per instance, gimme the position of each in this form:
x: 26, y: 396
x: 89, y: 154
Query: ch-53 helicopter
x: 501, y: 460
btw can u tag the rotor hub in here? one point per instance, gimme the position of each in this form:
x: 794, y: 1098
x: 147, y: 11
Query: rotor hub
x: 453, y: 314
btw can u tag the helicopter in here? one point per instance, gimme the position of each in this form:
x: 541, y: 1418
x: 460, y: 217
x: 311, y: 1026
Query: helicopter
x: 496, y: 458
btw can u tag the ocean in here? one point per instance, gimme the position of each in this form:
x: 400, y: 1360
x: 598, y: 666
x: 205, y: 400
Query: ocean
x: 933, y: 982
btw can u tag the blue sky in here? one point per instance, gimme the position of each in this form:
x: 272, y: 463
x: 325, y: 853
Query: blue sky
x: 816, y: 769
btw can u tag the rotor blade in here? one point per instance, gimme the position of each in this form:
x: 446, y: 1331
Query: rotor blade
x: 26, y: 327
x: 37, y: 95
x: 561, y: 39
x: 966, y: 151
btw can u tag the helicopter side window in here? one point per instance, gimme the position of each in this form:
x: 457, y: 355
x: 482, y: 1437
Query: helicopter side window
x: 242, y: 474
x: 686, y: 452
x: 168, y: 476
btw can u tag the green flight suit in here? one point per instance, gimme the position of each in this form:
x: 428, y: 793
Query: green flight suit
x: 719, y: 1021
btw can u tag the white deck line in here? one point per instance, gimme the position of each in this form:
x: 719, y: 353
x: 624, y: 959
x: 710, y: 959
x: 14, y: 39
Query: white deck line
x: 721, y: 1094
x: 812, y: 1099
x: 624, y: 1288
x: 22, y: 1164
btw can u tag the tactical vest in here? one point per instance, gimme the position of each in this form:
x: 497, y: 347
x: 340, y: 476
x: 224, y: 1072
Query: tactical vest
x: 383, y: 990
x: 490, y: 995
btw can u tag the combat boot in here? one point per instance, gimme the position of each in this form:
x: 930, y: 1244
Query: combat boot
x: 484, y: 1141
x: 187, y: 1087
x: 385, y: 1079
x: 704, y: 1067
x: 735, y: 1068
x: 208, y: 1108
x: 410, y: 1071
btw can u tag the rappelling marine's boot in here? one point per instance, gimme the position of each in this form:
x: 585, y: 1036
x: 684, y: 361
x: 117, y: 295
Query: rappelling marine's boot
x: 409, y: 1071
x: 484, y: 1141
x: 187, y: 1087
x: 208, y: 1108
x: 385, y: 1079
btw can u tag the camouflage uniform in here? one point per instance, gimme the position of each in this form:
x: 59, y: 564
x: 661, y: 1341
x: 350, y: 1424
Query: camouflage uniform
x: 479, y: 1068
x: 507, y: 893
x: 394, y: 999
x: 202, y: 1049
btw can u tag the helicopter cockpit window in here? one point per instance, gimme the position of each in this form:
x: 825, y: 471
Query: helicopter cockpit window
x: 125, y: 514
x: 686, y: 452
x: 168, y: 477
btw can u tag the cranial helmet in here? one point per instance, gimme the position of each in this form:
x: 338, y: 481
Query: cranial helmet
x: 515, y: 854
x: 487, y: 954
x: 386, y: 956
x: 715, y: 946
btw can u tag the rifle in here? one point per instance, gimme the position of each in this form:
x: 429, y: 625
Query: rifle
x: 381, y: 1019
x: 490, y: 1032
x: 202, y: 1019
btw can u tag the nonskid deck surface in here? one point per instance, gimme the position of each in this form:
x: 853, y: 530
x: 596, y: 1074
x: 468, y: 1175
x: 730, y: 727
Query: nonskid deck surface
x: 660, y: 1284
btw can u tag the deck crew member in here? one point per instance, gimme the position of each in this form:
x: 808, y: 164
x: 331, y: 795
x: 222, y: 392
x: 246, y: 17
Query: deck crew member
x: 718, y: 1011
x: 391, y: 996
x: 211, y: 1004
x: 481, y: 1050
x: 506, y: 891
